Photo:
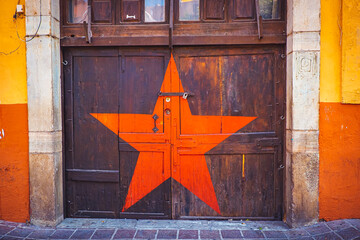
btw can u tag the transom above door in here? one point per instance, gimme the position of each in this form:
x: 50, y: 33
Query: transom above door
x: 157, y: 11
x: 172, y: 22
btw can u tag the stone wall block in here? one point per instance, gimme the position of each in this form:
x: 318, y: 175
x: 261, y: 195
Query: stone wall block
x: 44, y: 113
x: 305, y: 141
x: 32, y: 23
x: 306, y: 16
x: 303, y: 41
x: 305, y: 187
x: 289, y: 87
x: 55, y: 28
x: 39, y: 74
x: 45, y: 142
x: 289, y: 17
x: 49, y: 26
x: 306, y: 84
x: 55, y: 9
x: 59, y: 197
x: 56, y: 87
x: 289, y: 143
x: 32, y: 7
x: 42, y: 188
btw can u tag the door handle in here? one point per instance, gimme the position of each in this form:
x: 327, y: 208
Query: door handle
x: 155, y: 117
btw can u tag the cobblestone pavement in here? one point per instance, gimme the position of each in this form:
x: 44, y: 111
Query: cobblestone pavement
x: 165, y: 229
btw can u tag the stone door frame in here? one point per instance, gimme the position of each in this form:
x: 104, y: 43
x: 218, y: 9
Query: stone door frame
x: 301, y: 195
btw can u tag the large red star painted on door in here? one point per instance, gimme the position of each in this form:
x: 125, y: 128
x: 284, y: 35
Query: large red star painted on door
x: 181, y: 151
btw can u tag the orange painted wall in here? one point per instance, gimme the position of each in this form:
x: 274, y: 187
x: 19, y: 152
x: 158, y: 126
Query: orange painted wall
x: 14, y: 164
x: 14, y: 150
x: 339, y: 161
x: 339, y: 176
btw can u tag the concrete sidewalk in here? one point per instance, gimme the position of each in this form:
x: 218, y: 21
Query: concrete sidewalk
x: 166, y: 229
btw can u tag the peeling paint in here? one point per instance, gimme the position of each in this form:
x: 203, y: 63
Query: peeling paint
x: 2, y: 134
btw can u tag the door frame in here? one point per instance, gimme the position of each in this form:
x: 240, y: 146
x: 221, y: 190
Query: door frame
x: 45, y: 114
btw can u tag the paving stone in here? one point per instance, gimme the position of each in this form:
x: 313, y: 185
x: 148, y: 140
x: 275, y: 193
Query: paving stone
x: 344, y: 229
x: 298, y: 233
x: 349, y: 233
x: 83, y: 234
x: 125, y: 233
x: 327, y: 236
x: 209, y: 234
x: 318, y: 229
x: 188, y: 234
x: 274, y: 234
x: 103, y: 234
x: 167, y: 234
x: 252, y: 234
x: 12, y: 223
x: 354, y: 222
x: 338, y: 224
x: 20, y: 232
x: 62, y: 234
x: 41, y: 234
x: 11, y: 238
x: 146, y: 234
x: 4, y: 229
x: 231, y: 234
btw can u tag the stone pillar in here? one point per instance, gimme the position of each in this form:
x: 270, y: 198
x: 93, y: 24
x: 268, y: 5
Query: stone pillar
x: 302, y: 126
x: 44, y: 112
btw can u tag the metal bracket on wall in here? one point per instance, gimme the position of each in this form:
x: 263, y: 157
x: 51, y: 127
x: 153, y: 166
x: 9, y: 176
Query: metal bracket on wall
x: 259, y: 19
x: 87, y: 26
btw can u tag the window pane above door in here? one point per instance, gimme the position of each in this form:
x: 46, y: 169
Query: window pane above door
x: 269, y: 9
x: 154, y: 10
x: 189, y: 10
x: 78, y: 11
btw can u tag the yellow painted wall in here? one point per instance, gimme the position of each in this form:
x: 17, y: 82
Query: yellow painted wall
x: 351, y: 52
x: 13, y: 66
x: 330, y: 54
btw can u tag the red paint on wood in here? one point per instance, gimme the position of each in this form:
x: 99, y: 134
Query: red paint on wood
x: 14, y: 163
x: 186, y: 158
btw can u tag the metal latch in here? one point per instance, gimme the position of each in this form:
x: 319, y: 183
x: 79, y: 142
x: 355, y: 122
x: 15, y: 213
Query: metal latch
x: 185, y: 95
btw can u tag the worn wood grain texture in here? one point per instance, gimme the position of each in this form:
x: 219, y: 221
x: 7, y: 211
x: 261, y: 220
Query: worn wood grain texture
x: 216, y: 154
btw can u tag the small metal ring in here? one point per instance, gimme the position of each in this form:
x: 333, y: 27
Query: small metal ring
x: 65, y: 63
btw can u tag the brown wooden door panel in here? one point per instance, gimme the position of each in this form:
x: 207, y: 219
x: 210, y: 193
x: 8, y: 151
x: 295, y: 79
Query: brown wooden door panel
x: 214, y: 9
x: 92, y: 170
x: 89, y: 89
x: 131, y: 10
x: 136, y: 148
x: 144, y: 154
x: 240, y: 195
x: 233, y: 117
x: 103, y: 11
x: 103, y: 88
x: 242, y: 9
x: 233, y: 82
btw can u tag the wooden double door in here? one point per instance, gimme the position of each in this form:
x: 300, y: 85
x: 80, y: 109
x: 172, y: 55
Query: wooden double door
x: 195, y: 132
